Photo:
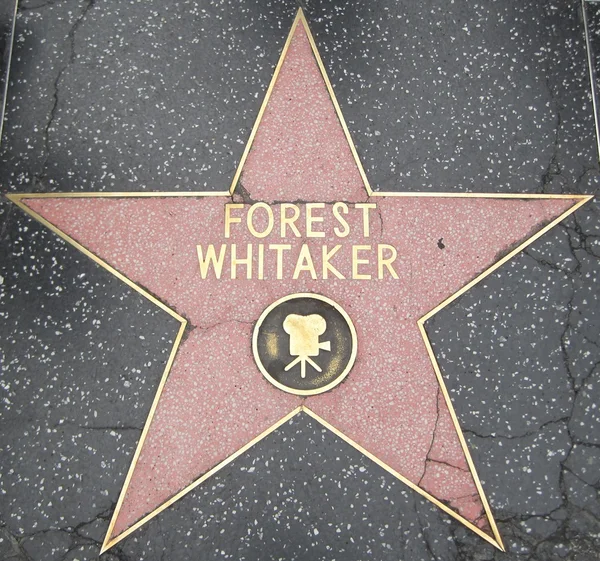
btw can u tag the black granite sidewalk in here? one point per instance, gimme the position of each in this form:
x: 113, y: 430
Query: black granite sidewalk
x: 491, y: 96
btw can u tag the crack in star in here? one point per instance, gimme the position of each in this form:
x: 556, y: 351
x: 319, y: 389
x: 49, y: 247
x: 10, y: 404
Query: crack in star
x: 433, y: 434
x: 211, y: 326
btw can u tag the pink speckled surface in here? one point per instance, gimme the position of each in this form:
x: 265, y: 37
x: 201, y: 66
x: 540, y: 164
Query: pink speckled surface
x: 215, y: 399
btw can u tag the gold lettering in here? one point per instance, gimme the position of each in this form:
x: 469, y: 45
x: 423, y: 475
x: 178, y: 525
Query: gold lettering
x: 261, y: 261
x: 211, y: 259
x: 229, y: 220
x: 289, y: 220
x: 327, y: 266
x: 345, y: 230
x: 304, y: 263
x: 250, y: 220
x: 356, y: 262
x: 387, y: 262
x: 310, y: 219
x: 280, y: 248
x: 365, y: 208
x: 247, y: 261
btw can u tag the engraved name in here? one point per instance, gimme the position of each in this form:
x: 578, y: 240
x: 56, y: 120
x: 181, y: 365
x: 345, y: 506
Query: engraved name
x: 289, y: 221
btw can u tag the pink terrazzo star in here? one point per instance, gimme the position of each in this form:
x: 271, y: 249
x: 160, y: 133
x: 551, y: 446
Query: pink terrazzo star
x: 215, y: 401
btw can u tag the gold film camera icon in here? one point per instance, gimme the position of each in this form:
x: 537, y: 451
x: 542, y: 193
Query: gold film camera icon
x: 304, y: 332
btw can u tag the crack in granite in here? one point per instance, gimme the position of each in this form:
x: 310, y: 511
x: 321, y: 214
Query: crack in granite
x: 553, y: 169
x: 39, y: 176
x: 73, y: 533
x: 526, y: 434
x: 435, y: 427
x: 4, y: 227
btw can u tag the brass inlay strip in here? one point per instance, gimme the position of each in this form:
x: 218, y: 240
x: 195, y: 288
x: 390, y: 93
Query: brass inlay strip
x: 261, y: 112
x: 108, y: 543
x: 443, y: 195
x: 9, y: 47
x: 404, y: 480
x: 116, y: 195
x: 300, y: 18
x: 582, y: 200
x: 17, y: 198
x: 463, y: 443
x: 592, y: 73
x: 334, y: 100
x: 418, y: 194
x: 145, y: 431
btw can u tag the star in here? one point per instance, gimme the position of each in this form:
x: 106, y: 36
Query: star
x: 300, y: 218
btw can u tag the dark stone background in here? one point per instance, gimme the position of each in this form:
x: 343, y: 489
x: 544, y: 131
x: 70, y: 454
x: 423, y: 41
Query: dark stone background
x: 7, y: 21
x: 123, y: 96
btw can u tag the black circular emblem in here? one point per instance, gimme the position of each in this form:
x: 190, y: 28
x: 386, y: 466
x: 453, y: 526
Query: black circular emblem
x: 304, y: 344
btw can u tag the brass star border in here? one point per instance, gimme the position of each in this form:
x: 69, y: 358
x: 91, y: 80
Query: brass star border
x: 17, y: 198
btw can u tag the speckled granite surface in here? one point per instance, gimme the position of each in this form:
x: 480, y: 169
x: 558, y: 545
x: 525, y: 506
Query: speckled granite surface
x: 478, y: 97
x: 7, y: 24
